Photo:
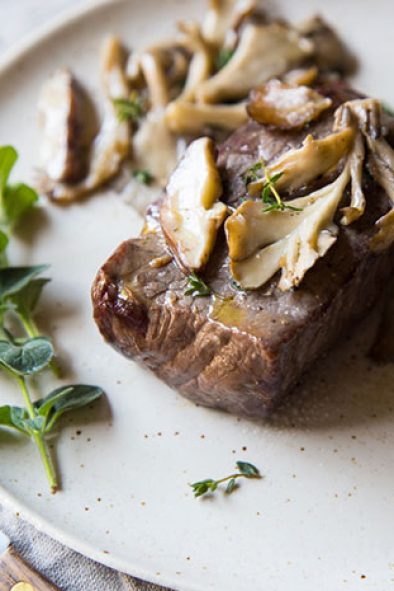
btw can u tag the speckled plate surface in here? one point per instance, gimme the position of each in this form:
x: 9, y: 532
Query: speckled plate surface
x: 322, y: 517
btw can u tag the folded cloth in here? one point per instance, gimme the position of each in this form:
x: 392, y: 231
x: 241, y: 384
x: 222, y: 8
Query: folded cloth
x: 67, y: 569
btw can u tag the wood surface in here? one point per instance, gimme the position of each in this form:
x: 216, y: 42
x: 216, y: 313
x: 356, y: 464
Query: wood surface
x: 17, y: 575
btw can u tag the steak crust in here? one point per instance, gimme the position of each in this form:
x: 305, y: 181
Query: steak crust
x: 239, y: 351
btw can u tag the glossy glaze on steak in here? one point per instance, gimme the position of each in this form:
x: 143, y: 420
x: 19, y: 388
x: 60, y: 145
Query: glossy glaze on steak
x: 239, y: 351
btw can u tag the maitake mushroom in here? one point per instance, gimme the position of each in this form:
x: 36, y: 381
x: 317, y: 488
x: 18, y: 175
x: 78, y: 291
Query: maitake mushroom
x: 191, y: 213
x: 263, y: 242
x: 292, y: 241
x: 298, y: 167
x: 263, y: 52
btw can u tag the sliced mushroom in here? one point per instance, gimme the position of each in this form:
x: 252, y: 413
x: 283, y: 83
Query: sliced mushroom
x: 296, y: 249
x: 111, y: 145
x: 286, y: 106
x: 224, y: 16
x: 263, y: 52
x: 330, y: 53
x: 190, y: 118
x: 191, y: 213
x: 314, y: 158
x: 66, y: 135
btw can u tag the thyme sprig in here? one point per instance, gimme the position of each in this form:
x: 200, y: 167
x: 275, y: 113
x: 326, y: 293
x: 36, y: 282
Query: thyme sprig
x: 196, y: 287
x: 209, y: 485
x: 269, y: 195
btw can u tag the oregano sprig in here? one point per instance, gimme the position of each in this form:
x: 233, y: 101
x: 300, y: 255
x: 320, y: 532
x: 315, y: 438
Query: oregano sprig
x: 26, y: 355
x: 209, y: 485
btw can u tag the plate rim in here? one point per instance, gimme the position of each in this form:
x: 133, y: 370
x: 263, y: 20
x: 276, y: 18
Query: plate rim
x: 8, y: 60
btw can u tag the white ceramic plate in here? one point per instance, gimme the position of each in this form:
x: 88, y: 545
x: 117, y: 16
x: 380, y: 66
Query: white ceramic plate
x: 323, y: 514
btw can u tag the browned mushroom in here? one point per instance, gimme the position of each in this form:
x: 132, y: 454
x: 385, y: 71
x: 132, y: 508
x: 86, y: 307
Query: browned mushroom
x: 286, y: 106
x: 66, y: 135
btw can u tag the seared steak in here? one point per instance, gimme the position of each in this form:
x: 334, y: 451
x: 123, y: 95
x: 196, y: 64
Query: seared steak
x: 239, y: 351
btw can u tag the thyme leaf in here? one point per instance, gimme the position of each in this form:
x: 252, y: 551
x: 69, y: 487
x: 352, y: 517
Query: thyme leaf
x: 224, y: 56
x: 197, y: 288
x: 209, y: 485
x: 130, y: 109
x: 143, y: 176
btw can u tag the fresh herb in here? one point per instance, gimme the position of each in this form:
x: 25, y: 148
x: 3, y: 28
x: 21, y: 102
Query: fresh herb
x: 209, y: 485
x: 253, y: 173
x: 143, y: 176
x: 130, y: 109
x: 269, y: 194
x: 24, y: 353
x: 197, y: 288
x: 224, y: 56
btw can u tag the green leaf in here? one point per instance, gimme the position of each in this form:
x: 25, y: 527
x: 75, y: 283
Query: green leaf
x: 129, y: 109
x: 5, y: 416
x: 3, y: 241
x: 18, y: 199
x: 276, y: 177
x: 266, y: 194
x: 231, y: 486
x: 28, y: 358
x: 8, y: 157
x: 13, y: 417
x: 64, y: 399
x: 143, y: 176
x: 224, y: 56
x: 247, y: 469
x: 26, y: 299
x: 13, y: 279
x: 196, y: 287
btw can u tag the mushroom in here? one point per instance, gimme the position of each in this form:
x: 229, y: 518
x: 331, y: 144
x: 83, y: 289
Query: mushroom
x: 366, y: 115
x: 330, y: 53
x: 154, y: 146
x: 292, y: 241
x: 286, y: 106
x: 224, y: 16
x: 201, y: 64
x: 264, y: 51
x: 301, y: 76
x: 314, y: 158
x: 190, y: 118
x: 66, y: 136
x: 191, y: 214
x: 112, y: 143
x: 381, y: 165
x: 346, y: 116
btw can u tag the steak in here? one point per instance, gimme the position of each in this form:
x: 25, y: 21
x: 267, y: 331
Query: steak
x: 235, y: 350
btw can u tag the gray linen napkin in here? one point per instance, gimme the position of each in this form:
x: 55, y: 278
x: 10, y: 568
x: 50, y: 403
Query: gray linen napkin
x: 65, y: 568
